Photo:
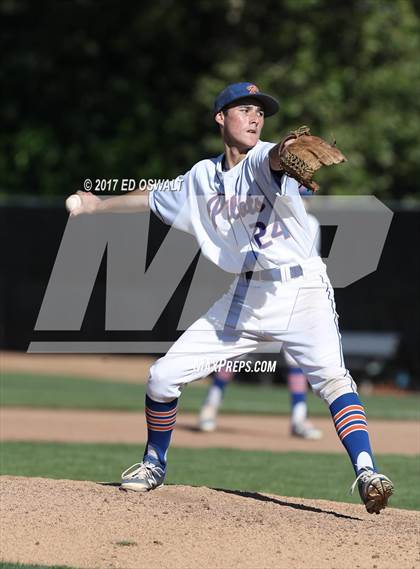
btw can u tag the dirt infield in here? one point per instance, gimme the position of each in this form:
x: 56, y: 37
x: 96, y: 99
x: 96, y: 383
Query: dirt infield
x: 91, y: 525
x: 88, y: 525
x: 235, y: 431
x: 106, y: 367
x: 83, y: 524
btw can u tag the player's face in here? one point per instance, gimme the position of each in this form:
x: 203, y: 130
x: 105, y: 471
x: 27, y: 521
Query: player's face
x: 242, y: 123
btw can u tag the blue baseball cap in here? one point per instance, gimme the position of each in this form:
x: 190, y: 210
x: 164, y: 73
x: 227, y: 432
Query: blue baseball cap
x: 244, y: 90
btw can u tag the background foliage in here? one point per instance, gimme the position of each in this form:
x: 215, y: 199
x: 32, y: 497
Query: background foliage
x: 109, y: 89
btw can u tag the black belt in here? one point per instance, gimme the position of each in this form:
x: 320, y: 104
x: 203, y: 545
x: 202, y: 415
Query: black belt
x: 295, y: 271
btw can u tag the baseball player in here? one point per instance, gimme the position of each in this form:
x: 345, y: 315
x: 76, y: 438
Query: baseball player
x: 245, y: 211
x: 297, y: 383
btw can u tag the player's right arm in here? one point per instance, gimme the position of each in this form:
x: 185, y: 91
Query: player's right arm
x: 133, y: 202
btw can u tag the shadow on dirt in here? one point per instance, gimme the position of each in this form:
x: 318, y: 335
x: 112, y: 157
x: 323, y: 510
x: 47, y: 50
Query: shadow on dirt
x: 262, y: 498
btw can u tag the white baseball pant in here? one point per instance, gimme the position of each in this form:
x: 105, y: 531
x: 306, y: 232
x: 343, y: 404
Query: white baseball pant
x: 298, y: 313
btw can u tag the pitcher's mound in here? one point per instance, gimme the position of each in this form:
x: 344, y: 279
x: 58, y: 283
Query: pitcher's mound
x: 86, y: 524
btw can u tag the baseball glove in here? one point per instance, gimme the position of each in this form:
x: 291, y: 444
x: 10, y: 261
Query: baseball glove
x: 305, y: 155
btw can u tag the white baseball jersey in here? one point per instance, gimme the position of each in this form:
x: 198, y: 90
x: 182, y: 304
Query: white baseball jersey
x: 315, y: 230
x: 247, y: 218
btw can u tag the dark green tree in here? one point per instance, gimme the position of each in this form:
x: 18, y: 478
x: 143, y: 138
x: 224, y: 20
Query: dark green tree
x: 103, y: 89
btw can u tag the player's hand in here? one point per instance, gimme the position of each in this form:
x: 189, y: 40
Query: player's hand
x: 87, y: 203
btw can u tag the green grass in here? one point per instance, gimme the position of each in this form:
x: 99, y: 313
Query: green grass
x: 8, y: 565
x: 5, y: 565
x: 307, y: 475
x: 77, y: 393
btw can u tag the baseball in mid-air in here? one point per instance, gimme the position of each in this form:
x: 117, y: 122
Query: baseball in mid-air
x: 73, y: 202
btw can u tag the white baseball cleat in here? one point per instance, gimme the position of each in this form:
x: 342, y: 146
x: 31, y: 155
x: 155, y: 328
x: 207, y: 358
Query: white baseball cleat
x: 306, y: 430
x: 143, y: 476
x: 374, y: 489
x: 207, y: 421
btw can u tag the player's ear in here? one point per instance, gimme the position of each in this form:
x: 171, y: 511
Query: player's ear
x: 220, y: 118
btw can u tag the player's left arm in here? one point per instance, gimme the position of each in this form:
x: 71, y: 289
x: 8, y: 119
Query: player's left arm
x: 275, y: 158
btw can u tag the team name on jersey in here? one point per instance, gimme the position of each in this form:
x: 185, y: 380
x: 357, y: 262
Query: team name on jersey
x: 233, y: 208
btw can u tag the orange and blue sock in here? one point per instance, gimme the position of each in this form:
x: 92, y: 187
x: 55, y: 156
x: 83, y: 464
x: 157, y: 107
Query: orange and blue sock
x: 217, y: 389
x: 298, y: 387
x: 350, y: 423
x: 161, y: 419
